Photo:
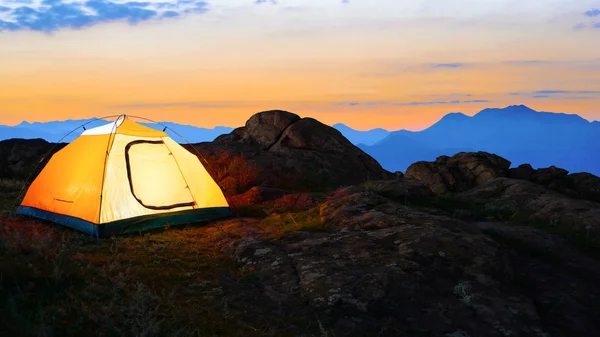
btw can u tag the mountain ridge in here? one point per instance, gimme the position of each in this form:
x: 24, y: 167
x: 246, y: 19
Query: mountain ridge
x: 516, y: 132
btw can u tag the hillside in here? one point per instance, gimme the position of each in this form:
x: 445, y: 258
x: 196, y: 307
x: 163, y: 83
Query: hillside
x: 325, y: 242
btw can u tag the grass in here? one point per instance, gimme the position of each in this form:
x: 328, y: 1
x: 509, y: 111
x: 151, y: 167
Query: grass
x: 9, y: 191
x: 281, y: 223
x: 177, y: 282
x: 57, y: 282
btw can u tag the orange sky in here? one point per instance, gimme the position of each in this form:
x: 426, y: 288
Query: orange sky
x: 312, y: 58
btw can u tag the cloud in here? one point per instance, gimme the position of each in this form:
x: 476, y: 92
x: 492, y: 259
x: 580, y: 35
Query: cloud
x: 592, y: 13
x: 448, y: 65
x: 52, y: 15
x: 568, y: 92
x: 559, y: 94
x: 352, y: 104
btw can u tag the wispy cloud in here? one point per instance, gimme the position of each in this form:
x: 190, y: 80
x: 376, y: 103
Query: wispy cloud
x: 416, y: 103
x: 554, y: 92
x: 448, y: 65
x: 592, y: 13
x: 559, y: 94
x: 52, y: 15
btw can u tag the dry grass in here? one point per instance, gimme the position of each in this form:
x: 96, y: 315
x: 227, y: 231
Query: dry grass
x: 9, y: 191
x: 281, y: 223
x: 179, y: 282
x: 57, y: 282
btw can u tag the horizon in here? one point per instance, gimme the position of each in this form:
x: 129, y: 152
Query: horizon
x: 388, y: 65
x: 330, y: 124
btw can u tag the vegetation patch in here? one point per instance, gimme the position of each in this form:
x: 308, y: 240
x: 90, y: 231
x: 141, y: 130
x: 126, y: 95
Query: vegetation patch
x: 58, y: 282
x: 282, y: 223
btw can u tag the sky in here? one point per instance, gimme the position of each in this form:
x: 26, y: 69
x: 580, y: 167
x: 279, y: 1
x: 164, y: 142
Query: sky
x: 365, y: 63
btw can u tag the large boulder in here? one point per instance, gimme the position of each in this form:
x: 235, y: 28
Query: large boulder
x: 278, y: 149
x: 266, y: 127
x: 460, y: 172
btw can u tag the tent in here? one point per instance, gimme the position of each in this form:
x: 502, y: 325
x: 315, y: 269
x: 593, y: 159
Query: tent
x: 123, y: 177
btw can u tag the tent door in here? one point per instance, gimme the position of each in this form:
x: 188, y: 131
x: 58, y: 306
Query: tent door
x: 155, y: 178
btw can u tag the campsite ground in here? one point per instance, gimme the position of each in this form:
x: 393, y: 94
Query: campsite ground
x: 176, y: 282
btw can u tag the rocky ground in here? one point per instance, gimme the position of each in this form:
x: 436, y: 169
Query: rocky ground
x: 325, y: 243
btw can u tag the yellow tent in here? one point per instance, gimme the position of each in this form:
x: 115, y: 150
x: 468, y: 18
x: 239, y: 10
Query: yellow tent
x: 123, y: 177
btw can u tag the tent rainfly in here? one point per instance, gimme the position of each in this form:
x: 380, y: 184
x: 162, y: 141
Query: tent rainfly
x: 123, y: 177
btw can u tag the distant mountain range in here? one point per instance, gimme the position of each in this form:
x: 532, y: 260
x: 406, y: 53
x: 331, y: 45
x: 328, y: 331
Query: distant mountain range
x: 55, y: 131
x: 369, y: 137
x: 517, y: 133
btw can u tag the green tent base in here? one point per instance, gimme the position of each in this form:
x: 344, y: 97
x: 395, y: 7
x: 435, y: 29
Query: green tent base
x: 131, y: 225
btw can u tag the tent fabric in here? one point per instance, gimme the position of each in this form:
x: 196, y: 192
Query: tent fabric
x: 120, y: 177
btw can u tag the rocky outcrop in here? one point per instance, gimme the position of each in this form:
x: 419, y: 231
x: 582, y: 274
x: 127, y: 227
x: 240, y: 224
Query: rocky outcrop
x: 390, y: 270
x: 466, y: 170
x: 578, y: 185
x: 518, y: 199
x: 460, y: 172
x: 281, y: 150
x: 19, y: 157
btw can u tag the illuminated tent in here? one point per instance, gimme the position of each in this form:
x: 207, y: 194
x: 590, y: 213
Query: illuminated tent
x: 123, y: 177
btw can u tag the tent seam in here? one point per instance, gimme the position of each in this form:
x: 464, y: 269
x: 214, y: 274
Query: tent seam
x: 181, y: 172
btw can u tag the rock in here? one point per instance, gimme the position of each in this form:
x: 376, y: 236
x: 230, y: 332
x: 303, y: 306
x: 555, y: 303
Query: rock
x: 25, y: 158
x: 544, y: 266
x: 257, y: 195
x: 459, y: 172
x: 272, y: 265
x: 277, y: 150
x: 534, y: 202
x: 523, y: 171
x: 266, y: 128
x: 414, y: 274
x: 355, y: 208
x: 399, y: 189
x: 586, y: 185
x: 545, y: 176
x: 577, y: 185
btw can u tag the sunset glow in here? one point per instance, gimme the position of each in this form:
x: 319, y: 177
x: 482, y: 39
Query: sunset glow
x: 367, y: 64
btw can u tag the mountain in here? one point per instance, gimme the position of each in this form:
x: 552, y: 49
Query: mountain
x: 55, y: 130
x: 369, y: 137
x: 517, y: 133
x: 70, y: 129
